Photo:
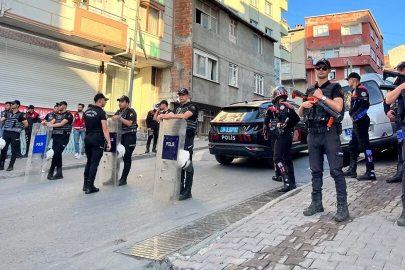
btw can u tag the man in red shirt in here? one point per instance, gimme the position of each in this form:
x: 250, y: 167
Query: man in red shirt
x: 32, y: 118
x: 78, y: 130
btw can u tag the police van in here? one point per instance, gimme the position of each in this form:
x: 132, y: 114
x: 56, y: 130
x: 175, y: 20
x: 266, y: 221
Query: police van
x: 237, y: 132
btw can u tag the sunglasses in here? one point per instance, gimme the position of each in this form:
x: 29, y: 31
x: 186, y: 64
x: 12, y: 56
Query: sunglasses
x: 323, y: 68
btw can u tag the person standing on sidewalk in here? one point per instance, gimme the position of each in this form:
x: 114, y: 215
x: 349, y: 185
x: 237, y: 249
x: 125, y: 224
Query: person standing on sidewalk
x: 188, y: 111
x: 128, y: 118
x: 324, y: 140
x: 153, y: 129
x: 360, y: 141
x: 62, y: 128
x: 14, y: 122
x: 78, y: 130
x: 96, y: 131
x: 32, y: 118
x: 392, y: 96
x: 4, y: 113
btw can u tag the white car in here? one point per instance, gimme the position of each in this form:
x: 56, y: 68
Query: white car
x: 382, y: 130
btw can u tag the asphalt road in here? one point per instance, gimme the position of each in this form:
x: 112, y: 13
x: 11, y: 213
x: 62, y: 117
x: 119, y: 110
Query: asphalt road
x: 56, y: 226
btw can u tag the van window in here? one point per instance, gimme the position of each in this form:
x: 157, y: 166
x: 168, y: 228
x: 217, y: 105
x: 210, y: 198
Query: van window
x: 373, y: 90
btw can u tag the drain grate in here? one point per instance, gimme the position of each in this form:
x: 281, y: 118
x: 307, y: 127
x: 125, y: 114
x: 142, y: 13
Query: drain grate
x: 160, y: 246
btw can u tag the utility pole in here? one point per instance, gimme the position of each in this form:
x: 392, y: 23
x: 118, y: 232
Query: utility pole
x: 134, y: 59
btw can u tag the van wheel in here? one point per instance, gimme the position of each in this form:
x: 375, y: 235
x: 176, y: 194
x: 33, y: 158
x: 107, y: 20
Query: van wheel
x: 223, y: 159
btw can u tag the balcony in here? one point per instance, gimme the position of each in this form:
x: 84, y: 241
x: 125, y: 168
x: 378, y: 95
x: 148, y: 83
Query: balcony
x: 284, y: 5
x: 284, y: 54
x: 283, y: 28
x: 84, y: 4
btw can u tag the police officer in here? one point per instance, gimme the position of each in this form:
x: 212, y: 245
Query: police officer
x: 32, y: 118
x: 269, y: 132
x: 51, y: 115
x: 187, y: 110
x: 14, y: 122
x: 62, y: 128
x: 163, y: 108
x: 153, y: 129
x: 128, y: 118
x: 3, y: 113
x: 398, y: 95
x: 287, y: 118
x: 96, y: 131
x: 361, y: 122
x: 325, y: 140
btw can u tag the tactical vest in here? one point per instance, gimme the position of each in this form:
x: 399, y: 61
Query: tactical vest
x: 128, y: 129
x: 191, y: 124
x: 401, y: 100
x: 51, y: 116
x: 67, y: 128
x: 12, y: 124
x: 317, y: 116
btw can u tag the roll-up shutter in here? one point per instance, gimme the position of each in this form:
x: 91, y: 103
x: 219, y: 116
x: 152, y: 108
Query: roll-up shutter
x: 41, y: 77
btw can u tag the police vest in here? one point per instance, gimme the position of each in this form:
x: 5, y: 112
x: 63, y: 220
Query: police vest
x: 128, y: 129
x: 12, y: 124
x: 191, y: 124
x: 316, y: 115
x: 67, y: 128
x: 401, y: 100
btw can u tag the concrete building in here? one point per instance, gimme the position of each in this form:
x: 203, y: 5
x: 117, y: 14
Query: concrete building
x: 395, y: 56
x: 53, y: 50
x: 293, y: 72
x: 346, y: 39
x: 220, y: 56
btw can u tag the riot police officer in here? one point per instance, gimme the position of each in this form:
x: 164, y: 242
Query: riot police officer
x: 51, y: 115
x: 287, y: 118
x: 361, y: 122
x: 128, y: 118
x: 62, y: 128
x: 269, y: 132
x: 96, y: 130
x: 398, y: 95
x: 153, y: 129
x: 14, y: 122
x: 325, y: 140
x: 163, y: 108
x: 3, y: 113
x: 188, y: 111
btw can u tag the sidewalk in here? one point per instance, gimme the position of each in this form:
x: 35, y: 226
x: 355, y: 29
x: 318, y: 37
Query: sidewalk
x: 70, y: 162
x: 279, y: 236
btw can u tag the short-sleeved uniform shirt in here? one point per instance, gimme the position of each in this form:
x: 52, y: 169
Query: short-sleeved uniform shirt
x: 93, y: 118
x: 182, y: 109
x: 50, y: 116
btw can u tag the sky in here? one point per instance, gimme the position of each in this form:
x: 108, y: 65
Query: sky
x: 388, y: 14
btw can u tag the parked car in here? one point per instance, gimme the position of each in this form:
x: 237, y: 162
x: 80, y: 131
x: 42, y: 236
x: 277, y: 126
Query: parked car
x: 382, y: 129
x: 236, y: 132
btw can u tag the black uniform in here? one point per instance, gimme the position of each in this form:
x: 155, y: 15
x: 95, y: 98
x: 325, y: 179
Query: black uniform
x: 360, y: 142
x: 2, y: 114
x: 154, y: 133
x: 128, y: 140
x: 32, y: 118
x: 60, y: 136
x: 94, y: 144
x: 12, y: 129
x: 269, y: 129
x: 191, y: 131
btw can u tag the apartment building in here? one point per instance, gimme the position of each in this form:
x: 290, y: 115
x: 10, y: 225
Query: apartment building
x: 395, y: 56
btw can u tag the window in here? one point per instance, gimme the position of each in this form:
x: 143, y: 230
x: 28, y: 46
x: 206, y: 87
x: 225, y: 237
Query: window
x: 232, y: 31
x: 330, y: 53
x: 373, y: 54
x: 332, y: 74
x: 206, y: 16
x: 149, y: 19
x: 354, y: 69
x: 258, y: 84
x: 269, y: 32
x: 351, y: 29
x: 253, y: 22
x: 376, y: 41
x: 285, y: 67
x: 233, y: 75
x: 268, y: 8
x: 253, y: 3
x: 371, y: 32
x: 378, y: 62
x: 205, y: 66
x: 257, y: 43
x: 321, y: 30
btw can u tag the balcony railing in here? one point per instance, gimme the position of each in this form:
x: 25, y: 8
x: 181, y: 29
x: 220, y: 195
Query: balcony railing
x: 84, y: 4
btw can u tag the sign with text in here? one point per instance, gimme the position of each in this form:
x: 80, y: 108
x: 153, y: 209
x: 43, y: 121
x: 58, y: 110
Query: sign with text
x: 113, y: 140
x: 39, y: 144
x: 170, y: 147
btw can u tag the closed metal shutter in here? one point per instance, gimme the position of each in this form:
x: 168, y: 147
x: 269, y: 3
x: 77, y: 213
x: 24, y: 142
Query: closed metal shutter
x: 41, y: 77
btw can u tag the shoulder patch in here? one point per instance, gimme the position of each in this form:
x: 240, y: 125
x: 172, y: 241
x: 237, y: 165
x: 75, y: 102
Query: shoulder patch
x: 192, y: 107
x: 131, y: 114
x: 341, y: 91
x: 364, y: 94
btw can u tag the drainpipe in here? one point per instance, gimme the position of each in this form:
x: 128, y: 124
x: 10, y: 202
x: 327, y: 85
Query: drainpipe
x: 2, y: 8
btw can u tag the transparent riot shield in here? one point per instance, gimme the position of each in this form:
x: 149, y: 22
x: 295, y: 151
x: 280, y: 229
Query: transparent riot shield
x: 36, y: 168
x: 172, y: 134
x: 109, y: 169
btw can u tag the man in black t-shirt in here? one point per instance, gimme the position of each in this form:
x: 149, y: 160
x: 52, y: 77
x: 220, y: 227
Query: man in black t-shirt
x: 96, y: 131
x: 323, y: 139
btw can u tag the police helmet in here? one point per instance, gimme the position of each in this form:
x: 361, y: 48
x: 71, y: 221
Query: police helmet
x: 279, y: 92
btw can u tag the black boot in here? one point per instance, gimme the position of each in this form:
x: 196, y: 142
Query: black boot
x: 1, y: 166
x: 401, y: 219
x: 351, y: 171
x: 397, y: 178
x: 370, y: 174
x: 58, y: 174
x: 154, y: 150
x: 316, y: 205
x: 50, y: 173
x: 342, y: 212
x: 10, y: 167
x: 147, y: 150
x: 123, y: 181
x: 277, y: 178
x: 187, y: 188
x: 91, y: 188
x: 85, y: 184
x: 288, y: 184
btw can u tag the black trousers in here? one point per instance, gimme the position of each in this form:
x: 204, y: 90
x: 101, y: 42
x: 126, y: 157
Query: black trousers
x: 154, y: 133
x: 94, y: 148
x: 282, y: 155
x: 28, y: 133
x: 327, y: 143
x: 59, y: 144
x: 129, y: 142
x: 360, y: 142
x: 188, y: 174
x: 12, y: 138
x: 273, y: 138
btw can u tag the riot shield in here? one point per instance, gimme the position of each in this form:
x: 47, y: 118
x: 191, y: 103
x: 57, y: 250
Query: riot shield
x: 109, y: 169
x: 172, y: 134
x: 36, y: 168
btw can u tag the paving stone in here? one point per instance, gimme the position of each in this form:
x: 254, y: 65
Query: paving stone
x: 318, y: 256
x: 248, y: 255
x: 256, y: 263
x: 348, y: 266
x: 252, y: 248
x: 233, y: 253
x: 323, y: 265
x: 253, y: 241
x: 370, y: 263
x: 234, y: 261
x: 342, y: 258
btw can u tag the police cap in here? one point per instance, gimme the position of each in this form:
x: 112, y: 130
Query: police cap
x: 164, y: 102
x: 183, y: 91
x: 100, y: 96
x: 31, y: 107
x: 16, y: 102
x: 354, y: 75
x: 401, y: 65
x: 123, y: 98
x: 62, y: 103
x: 324, y: 61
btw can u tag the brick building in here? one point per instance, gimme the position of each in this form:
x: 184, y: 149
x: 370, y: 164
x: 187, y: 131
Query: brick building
x: 349, y: 39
